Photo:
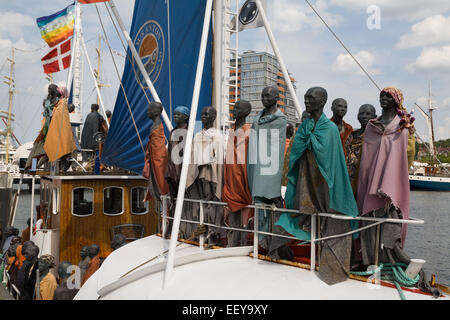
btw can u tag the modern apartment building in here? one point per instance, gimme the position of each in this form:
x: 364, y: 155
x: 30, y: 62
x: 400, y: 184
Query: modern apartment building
x: 257, y: 70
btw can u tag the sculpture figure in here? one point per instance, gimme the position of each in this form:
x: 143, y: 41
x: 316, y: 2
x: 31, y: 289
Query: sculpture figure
x: 236, y: 192
x: 265, y: 161
x: 318, y: 182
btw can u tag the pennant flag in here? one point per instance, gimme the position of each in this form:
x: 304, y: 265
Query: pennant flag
x: 57, y: 27
x: 57, y: 59
x: 91, y: 1
x: 249, y: 16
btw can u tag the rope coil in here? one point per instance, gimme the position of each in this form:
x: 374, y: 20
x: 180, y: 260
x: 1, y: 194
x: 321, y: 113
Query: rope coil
x: 392, y: 272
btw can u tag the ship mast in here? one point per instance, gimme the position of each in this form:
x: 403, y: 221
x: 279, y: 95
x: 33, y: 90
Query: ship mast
x: 97, y: 72
x: 430, y: 112
x: 10, y: 82
x: 75, y: 75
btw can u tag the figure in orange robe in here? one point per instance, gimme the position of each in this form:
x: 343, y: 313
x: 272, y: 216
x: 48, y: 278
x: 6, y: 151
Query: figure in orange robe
x: 156, y: 155
x: 339, y: 108
x: 59, y: 140
x: 94, y: 263
x: 236, y: 192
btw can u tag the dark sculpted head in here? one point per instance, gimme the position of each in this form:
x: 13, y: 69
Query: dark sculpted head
x: 63, y: 268
x: 181, y: 115
x: 339, y: 108
x: 45, y: 262
x: 11, y: 231
x: 84, y: 252
x: 387, y: 101
x: 94, y: 107
x: 315, y: 99
x: 25, y: 245
x: 30, y: 252
x: 242, y: 109
x: 53, y: 90
x: 154, y: 110
x: 12, y: 249
x: 15, y: 239
x: 93, y: 250
x: 269, y: 96
x: 108, y: 113
x: 366, y: 112
x: 208, y: 116
x: 118, y: 241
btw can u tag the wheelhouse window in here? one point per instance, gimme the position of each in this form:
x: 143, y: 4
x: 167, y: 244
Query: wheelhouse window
x: 138, y: 203
x: 113, y: 201
x: 82, y: 201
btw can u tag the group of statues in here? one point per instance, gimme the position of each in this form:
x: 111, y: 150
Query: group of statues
x: 57, y: 138
x: 326, y: 165
x: 20, y: 259
x: 24, y: 268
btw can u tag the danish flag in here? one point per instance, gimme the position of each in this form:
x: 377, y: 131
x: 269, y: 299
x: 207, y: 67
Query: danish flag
x: 58, y: 58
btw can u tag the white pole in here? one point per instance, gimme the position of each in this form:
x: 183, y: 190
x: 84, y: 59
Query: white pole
x: 95, y: 80
x: 218, y: 41
x: 280, y: 59
x: 74, y: 45
x: 139, y: 62
x: 189, y: 139
x: 32, y: 205
x: 313, y: 243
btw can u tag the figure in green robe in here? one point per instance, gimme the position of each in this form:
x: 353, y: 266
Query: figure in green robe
x: 265, y: 161
x: 318, y: 182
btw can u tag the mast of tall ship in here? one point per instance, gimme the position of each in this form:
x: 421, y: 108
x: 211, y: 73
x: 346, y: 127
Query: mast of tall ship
x: 10, y: 82
x: 430, y: 113
x: 97, y: 72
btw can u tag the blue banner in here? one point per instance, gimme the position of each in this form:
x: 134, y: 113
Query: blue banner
x: 167, y: 36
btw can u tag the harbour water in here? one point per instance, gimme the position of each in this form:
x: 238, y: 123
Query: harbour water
x: 429, y: 241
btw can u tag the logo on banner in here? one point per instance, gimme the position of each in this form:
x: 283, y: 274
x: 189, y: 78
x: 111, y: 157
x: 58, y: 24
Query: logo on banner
x: 150, y: 45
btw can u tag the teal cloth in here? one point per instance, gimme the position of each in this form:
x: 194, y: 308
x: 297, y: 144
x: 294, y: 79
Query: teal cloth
x: 266, y: 155
x: 325, y: 142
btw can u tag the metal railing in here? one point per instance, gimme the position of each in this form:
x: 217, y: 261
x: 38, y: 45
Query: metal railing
x: 315, y: 221
x: 12, y: 289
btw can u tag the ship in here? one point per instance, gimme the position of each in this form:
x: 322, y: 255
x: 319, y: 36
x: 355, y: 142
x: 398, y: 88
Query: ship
x: 433, y: 176
x: 85, y: 208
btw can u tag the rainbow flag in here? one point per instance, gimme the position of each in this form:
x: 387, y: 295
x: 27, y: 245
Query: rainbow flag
x: 91, y: 1
x: 58, y: 26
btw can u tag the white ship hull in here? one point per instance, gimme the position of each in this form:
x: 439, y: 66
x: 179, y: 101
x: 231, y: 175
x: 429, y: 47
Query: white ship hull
x: 228, y: 274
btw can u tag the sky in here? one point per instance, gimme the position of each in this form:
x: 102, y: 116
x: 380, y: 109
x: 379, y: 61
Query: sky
x: 405, y: 44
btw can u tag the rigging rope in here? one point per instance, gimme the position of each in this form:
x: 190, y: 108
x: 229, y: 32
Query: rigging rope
x: 120, y: 80
x: 343, y: 45
x: 362, y: 68
x: 32, y: 50
x: 127, y: 56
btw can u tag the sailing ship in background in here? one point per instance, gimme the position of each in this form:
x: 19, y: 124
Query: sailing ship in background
x: 175, y: 57
x: 434, y: 176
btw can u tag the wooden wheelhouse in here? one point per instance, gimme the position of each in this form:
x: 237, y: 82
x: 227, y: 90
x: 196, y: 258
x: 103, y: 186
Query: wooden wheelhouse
x: 89, y: 209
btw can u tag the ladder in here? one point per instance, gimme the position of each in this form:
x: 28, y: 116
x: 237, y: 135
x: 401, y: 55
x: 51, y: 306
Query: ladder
x: 231, y: 83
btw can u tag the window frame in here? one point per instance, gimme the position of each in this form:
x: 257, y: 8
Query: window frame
x: 131, y: 201
x: 123, y: 201
x: 93, y: 201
